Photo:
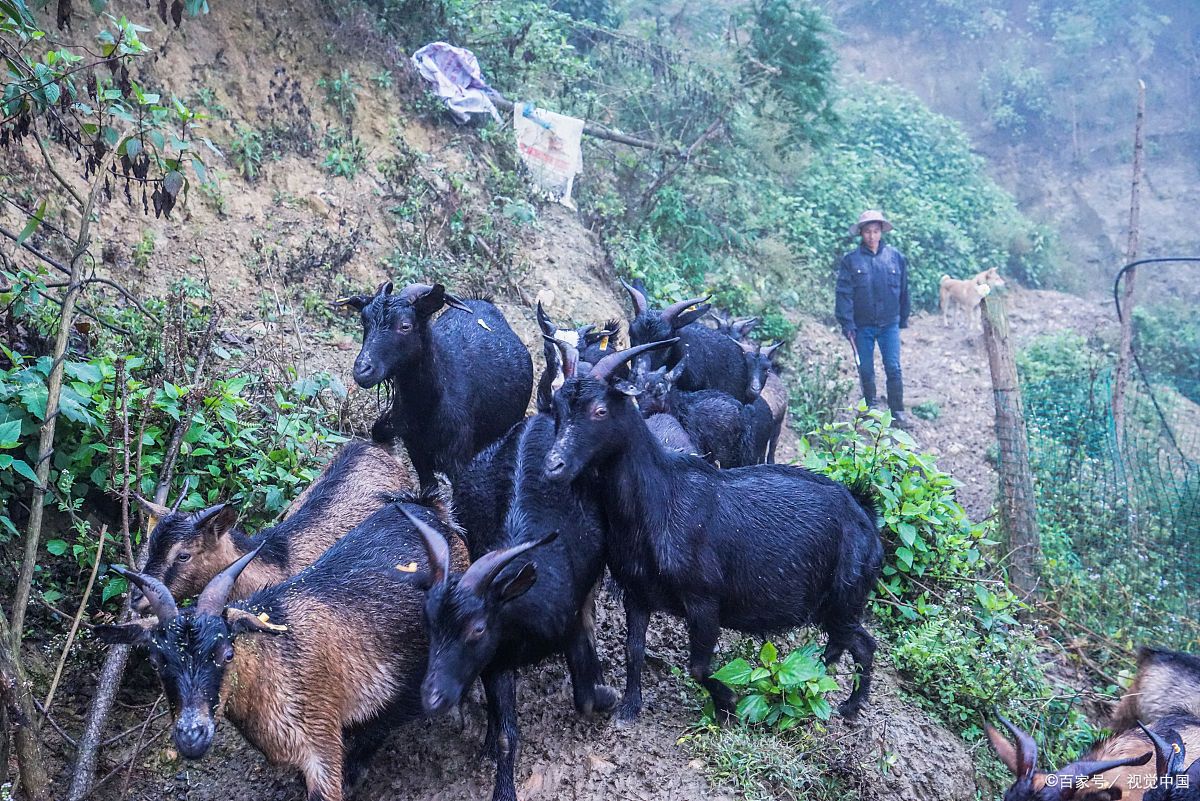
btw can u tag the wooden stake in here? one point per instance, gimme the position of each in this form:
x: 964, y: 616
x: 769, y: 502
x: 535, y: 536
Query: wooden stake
x: 1131, y: 252
x: 1018, y: 507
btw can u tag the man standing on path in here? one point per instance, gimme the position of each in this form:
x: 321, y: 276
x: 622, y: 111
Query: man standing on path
x: 872, y: 306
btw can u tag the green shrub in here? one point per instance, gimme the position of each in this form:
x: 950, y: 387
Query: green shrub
x: 346, y: 155
x: 247, y: 150
x: 927, y: 410
x: 341, y: 93
x: 780, y: 692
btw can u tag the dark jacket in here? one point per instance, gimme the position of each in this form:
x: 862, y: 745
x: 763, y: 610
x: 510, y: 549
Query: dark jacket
x: 872, y: 288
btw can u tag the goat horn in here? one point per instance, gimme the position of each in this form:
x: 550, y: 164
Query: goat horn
x: 747, y: 347
x: 214, y: 595
x: 151, y: 508
x: 675, y: 309
x: 1026, y: 748
x: 544, y: 322
x: 640, y: 304
x: 162, y: 604
x: 605, y: 367
x: 1163, y: 751
x: 453, y: 302
x: 436, y: 548
x: 570, y: 356
x: 483, y: 571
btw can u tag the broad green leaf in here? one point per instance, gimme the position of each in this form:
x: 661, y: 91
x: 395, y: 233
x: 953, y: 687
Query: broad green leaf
x: 768, y: 653
x: 56, y: 547
x: 753, y: 708
x: 735, y: 674
x: 797, y: 668
x: 115, y: 586
x: 905, y: 557
x: 907, y: 532
x: 33, y: 223
x: 25, y: 470
x: 10, y: 434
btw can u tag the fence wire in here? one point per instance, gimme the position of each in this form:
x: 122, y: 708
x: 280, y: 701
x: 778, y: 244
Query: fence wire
x: 1119, y: 509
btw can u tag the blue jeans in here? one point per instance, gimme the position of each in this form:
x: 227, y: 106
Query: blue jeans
x: 888, y: 337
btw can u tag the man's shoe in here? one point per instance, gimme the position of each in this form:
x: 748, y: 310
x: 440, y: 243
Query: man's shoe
x: 900, y: 419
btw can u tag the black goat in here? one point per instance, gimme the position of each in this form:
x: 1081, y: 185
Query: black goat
x: 343, y: 662
x: 758, y: 549
x: 460, y: 382
x: 1122, y: 759
x: 591, y: 344
x: 1172, y: 780
x: 738, y: 330
x: 725, y: 431
x: 512, y: 609
x: 714, y: 360
x: 764, y: 383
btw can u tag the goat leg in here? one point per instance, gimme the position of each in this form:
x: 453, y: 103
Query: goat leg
x: 637, y: 620
x: 587, y: 677
x: 502, y: 687
x: 704, y: 629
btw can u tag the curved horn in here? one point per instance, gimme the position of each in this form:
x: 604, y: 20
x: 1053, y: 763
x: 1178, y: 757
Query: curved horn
x: 544, y: 322
x: 1026, y: 748
x: 214, y: 595
x: 640, y: 304
x: 747, y: 347
x: 570, y: 356
x: 151, y: 508
x: 162, y: 604
x: 413, y: 291
x: 1163, y: 752
x: 385, y: 288
x: 605, y: 367
x: 675, y: 309
x: 769, y: 350
x: 483, y: 571
x: 436, y: 548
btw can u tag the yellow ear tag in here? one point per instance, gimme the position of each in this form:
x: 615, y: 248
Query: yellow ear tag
x: 485, y: 325
x: 265, y: 619
x: 603, y: 343
x: 342, y: 301
x: 411, y: 567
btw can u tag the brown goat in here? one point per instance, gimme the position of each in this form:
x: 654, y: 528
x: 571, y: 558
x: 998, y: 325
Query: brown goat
x: 313, y: 671
x: 187, y: 550
x: 1166, y: 682
x: 1118, y: 767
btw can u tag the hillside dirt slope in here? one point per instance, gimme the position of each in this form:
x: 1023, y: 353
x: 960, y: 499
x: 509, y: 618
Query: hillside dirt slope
x: 275, y: 250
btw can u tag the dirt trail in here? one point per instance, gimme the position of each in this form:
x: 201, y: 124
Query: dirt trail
x: 948, y: 366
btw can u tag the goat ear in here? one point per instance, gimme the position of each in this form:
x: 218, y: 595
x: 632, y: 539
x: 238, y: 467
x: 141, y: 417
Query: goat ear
x: 357, y: 301
x: 519, y: 584
x: 384, y: 288
x: 134, y: 633
x: 1003, y: 748
x: 216, y: 522
x: 429, y: 302
x: 625, y: 387
x: 241, y: 621
x: 689, y: 317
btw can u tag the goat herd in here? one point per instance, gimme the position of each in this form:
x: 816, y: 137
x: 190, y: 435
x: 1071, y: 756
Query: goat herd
x: 376, y: 600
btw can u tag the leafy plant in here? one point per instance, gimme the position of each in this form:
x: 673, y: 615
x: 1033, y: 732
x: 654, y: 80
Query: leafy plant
x: 346, y: 155
x: 247, y: 150
x: 927, y: 410
x: 341, y: 93
x: 780, y: 692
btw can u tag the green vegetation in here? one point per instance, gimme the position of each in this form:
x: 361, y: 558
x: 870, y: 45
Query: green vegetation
x: 346, y: 155
x: 246, y: 150
x: 780, y: 691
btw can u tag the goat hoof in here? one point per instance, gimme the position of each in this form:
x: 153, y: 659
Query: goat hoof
x: 850, y: 710
x: 627, y: 712
x: 606, y: 699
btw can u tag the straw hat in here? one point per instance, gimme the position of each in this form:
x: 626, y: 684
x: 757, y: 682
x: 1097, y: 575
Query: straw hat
x: 873, y: 215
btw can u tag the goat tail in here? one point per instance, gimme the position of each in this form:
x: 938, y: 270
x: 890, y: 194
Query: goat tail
x: 863, y: 490
x: 942, y: 281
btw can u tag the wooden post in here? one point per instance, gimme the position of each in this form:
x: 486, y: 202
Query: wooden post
x: 1018, y: 507
x: 1131, y: 250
